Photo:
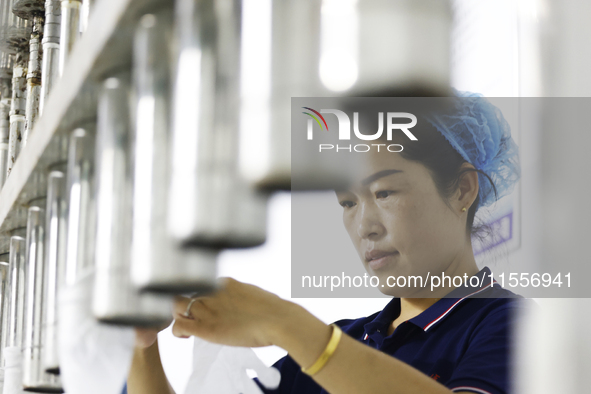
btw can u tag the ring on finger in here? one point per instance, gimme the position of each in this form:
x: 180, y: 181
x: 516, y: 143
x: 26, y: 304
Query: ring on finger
x: 188, y: 310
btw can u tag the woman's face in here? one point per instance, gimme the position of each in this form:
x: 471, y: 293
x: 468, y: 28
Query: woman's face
x: 399, y: 223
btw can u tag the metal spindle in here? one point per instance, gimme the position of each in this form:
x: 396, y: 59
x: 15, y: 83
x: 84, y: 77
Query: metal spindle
x: 33, y: 10
x: 16, y: 293
x: 420, y: 69
x: 34, y: 376
x: 85, y: 14
x: 70, y: 29
x: 211, y: 205
x: 55, y: 253
x: 33, y: 78
x: 5, y: 98
x: 17, y: 108
x: 51, y: 50
x: 280, y: 58
x: 185, y: 270
x: 81, y: 205
x: 4, y: 273
x: 115, y: 299
x: 15, y: 33
x: 3, y: 158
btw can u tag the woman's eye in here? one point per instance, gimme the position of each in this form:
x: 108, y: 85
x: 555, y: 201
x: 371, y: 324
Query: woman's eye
x: 347, y: 204
x: 383, y: 193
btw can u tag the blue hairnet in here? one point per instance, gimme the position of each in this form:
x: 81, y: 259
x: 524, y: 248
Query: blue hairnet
x: 477, y: 130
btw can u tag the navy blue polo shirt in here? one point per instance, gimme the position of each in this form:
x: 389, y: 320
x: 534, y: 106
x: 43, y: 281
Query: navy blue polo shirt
x: 462, y: 342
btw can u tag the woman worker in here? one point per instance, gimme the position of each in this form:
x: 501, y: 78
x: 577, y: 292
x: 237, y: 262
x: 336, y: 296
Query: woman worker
x: 412, y: 213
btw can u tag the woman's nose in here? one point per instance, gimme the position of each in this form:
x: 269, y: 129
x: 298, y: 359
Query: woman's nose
x: 369, y: 224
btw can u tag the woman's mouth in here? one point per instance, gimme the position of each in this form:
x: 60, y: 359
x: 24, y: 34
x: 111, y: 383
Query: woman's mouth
x: 379, y: 262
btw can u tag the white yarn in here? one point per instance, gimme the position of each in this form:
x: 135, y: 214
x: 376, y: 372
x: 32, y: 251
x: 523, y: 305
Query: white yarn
x: 13, y: 370
x: 94, y: 358
x: 222, y: 369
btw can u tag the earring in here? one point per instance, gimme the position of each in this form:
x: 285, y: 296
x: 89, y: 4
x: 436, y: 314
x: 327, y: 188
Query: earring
x: 464, y: 209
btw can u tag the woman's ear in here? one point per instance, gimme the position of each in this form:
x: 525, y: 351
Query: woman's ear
x: 467, y: 187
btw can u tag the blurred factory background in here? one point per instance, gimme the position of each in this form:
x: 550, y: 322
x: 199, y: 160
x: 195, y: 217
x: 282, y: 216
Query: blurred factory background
x: 79, y: 80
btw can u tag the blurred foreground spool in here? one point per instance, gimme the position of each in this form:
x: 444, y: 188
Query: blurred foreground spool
x: 386, y: 48
x: 211, y: 205
x: 115, y: 299
x: 377, y: 48
x: 280, y: 45
x: 157, y: 263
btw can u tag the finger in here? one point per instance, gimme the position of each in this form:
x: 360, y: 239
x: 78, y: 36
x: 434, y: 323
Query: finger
x: 204, y: 307
x: 145, y: 337
x: 180, y: 305
x: 198, y: 305
x: 185, y: 309
x: 184, y: 328
x: 225, y: 282
x: 228, y: 288
x: 181, y: 329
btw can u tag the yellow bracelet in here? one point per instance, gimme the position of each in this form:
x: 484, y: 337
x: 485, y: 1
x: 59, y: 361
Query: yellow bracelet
x: 327, y: 353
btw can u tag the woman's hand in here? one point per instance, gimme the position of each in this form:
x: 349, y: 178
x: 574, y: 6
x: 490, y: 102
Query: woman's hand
x: 146, y: 337
x: 237, y: 314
